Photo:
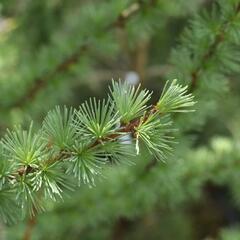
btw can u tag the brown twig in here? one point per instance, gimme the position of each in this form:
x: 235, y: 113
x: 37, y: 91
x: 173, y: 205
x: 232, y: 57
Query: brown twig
x: 29, y: 228
x: 150, y: 165
x: 126, y: 14
x: 120, y: 227
x: 32, y: 221
x: 42, y: 81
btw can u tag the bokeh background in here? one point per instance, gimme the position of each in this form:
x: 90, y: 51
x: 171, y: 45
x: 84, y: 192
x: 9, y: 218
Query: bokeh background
x: 57, y: 52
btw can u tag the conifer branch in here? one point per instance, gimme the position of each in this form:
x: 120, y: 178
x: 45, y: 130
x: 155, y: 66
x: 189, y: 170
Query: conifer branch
x: 129, y: 128
x: 76, y: 143
x: 219, y: 38
x: 42, y: 81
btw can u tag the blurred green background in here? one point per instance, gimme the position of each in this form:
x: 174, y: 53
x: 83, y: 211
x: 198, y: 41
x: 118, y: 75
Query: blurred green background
x: 61, y: 52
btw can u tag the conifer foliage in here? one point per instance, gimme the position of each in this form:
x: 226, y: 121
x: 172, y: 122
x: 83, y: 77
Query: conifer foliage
x: 73, y: 145
x: 72, y: 148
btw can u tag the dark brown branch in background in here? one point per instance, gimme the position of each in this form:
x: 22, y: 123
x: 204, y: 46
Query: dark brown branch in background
x: 126, y: 14
x: 195, y: 74
x: 140, y: 57
x: 150, y: 165
x: 120, y: 227
x: 42, y: 81
x: 129, y: 12
x: 29, y: 228
x: 65, y: 65
x: 31, y: 222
